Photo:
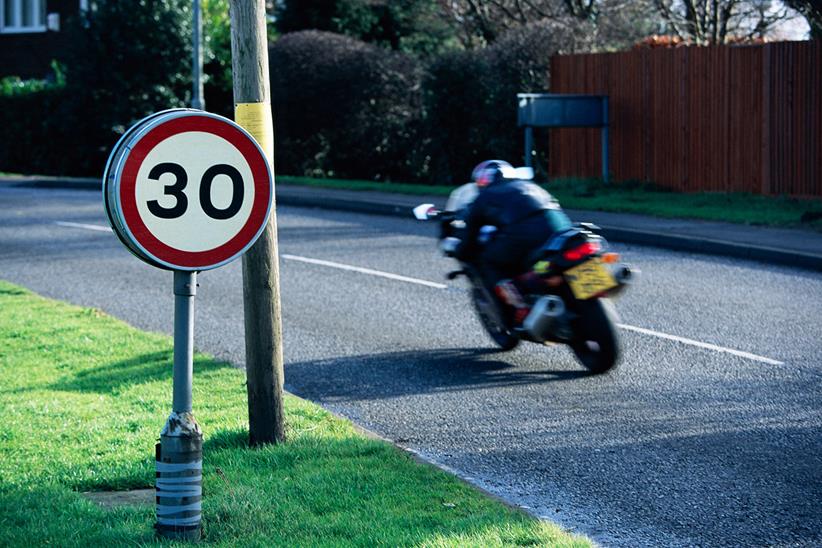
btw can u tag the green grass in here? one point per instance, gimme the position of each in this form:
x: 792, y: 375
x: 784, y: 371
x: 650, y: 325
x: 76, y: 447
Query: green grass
x: 735, y: 207
x: 83, y: 398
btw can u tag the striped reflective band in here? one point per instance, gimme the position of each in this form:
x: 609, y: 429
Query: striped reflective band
x: 169, y: 510
x: 176, y: 482
x: 179, y: 522
x: 179, y: 467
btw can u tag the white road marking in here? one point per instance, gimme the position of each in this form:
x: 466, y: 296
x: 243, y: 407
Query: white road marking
x: 364, y: 271
x: 699, y: 344
x: 636, y: 329
x: 435, y: 285
x: 98, y: 228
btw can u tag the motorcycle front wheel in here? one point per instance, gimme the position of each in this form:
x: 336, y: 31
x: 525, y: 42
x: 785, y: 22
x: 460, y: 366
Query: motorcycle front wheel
x: 595, y: 340
x: 491, y: 318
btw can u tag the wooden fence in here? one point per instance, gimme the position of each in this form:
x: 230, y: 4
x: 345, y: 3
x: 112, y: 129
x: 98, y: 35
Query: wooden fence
x: 726, y: 118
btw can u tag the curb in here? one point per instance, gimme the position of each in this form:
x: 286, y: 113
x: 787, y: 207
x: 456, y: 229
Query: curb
x: 71, y: 183
x: 714, y: 247
x: 337, y: 204
x: 671, y: 241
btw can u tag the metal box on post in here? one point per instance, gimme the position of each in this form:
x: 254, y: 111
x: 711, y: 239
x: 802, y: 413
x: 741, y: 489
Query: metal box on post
x: 563, y: 110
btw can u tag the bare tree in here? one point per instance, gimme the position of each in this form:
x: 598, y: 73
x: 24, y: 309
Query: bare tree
x: 722, y: 21
x: 811, y: 10
x: 485, y: 21
x: 615, y: 23
x: 489, y: 19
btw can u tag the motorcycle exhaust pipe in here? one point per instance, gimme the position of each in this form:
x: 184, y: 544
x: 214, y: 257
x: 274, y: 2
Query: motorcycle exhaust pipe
x: 545, y: 317
x: 624, y: 276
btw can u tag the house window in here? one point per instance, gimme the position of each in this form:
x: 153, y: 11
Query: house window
x: 22, y: 16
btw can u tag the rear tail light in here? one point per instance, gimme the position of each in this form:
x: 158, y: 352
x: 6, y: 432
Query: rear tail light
x: 610, y: 258
x: 584, y: 250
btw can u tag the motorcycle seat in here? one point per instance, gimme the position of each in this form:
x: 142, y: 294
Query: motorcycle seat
x: 553, y: 244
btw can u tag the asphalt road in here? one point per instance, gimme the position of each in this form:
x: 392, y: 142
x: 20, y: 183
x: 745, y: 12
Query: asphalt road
x: 686, y: 444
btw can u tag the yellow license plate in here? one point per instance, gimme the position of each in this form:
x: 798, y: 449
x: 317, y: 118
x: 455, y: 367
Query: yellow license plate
x: 589, y: 278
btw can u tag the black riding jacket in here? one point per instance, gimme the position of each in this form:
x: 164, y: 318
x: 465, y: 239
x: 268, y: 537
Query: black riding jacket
x: 505, y: 205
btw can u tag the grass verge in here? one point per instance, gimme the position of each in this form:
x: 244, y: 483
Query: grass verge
x: 735, y: 207
x: 82, y: 400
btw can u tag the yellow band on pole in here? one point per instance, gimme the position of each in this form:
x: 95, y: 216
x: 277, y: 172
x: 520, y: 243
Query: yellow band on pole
x: 256, y: 119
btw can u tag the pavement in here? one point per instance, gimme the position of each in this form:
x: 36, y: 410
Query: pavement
x: 784, y: 246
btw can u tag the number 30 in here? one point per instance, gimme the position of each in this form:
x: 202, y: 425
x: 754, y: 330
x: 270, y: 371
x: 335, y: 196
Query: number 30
x: 180, y: 182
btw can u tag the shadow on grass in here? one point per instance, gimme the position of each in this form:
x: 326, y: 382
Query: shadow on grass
x: 381, y: 376
x: 113, y: 377
x: 12, y: 291
x: 226, y: 439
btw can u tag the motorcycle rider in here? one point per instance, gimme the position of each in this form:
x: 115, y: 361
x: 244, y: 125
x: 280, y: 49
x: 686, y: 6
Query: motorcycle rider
x: 525, y: 217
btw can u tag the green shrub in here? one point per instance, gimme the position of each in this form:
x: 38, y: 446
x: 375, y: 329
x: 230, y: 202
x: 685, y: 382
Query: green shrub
x: 471, y: 98
x: 27, y: 115
x: 344, y: 108
x: 217, y: 75
x: 125, y: 60
x: 457, y: 89
x: 13, y: 86
x: 418, y: 27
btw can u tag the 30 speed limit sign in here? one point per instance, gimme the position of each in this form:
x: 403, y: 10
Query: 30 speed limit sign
x: 187, y: 190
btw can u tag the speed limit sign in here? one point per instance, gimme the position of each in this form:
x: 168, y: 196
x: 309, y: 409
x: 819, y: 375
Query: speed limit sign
x: 187, y: 190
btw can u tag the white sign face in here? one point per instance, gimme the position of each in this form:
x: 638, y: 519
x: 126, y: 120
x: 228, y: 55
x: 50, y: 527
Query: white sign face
x: 209, y: 207
x: 191, y: 190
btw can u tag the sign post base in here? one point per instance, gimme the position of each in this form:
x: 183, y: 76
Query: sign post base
x: 180, y: 478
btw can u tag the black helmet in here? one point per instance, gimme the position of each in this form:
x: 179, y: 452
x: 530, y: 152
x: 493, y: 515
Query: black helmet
x: 489, y: 172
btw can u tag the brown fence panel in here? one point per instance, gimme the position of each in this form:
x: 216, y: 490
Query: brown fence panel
x: 744, y: 120
x: 576, y: 151
x: 795, y: 119
x: 724, y: 118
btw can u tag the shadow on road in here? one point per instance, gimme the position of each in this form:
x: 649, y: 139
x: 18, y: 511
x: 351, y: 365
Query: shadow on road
x: 392, y: 374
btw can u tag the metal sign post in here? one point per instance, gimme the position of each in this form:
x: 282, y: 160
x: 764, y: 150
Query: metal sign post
x: 197, y: 100
x: 186, y: 191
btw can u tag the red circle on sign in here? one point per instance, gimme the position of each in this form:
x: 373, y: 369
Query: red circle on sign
x: 195, y: 260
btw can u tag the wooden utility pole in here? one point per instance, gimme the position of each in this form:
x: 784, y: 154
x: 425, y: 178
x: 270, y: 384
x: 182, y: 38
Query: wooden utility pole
x: 261, y: 275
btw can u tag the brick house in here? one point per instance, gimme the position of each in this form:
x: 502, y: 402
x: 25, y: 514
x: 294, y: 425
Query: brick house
x: 31, y: 36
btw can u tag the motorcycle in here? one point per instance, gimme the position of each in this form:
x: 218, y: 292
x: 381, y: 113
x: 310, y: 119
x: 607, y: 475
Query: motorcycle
x: 568, y: 287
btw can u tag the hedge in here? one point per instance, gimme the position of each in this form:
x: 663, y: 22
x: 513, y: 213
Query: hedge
x: 28, y: 119
x: 342, y: 108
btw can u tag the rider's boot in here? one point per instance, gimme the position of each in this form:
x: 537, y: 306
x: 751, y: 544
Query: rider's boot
x: 508, y: 293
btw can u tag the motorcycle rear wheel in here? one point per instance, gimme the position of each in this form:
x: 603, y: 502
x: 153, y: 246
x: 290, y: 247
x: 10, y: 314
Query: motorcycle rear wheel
x: 595, y: 340
x: 491, y: 318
